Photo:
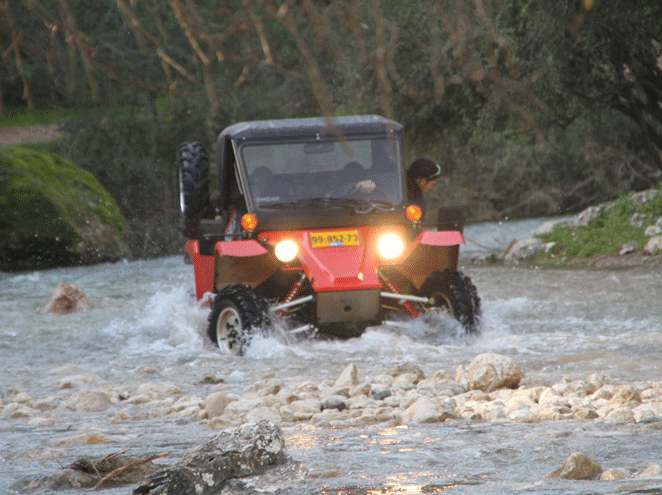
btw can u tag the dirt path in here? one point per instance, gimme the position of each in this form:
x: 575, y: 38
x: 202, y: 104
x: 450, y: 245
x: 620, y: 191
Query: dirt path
x: 10, y: 136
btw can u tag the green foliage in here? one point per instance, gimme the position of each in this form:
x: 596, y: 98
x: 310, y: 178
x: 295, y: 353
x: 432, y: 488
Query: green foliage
x: 532, y: 108
x: 22, y: 116
x: 133, y: 157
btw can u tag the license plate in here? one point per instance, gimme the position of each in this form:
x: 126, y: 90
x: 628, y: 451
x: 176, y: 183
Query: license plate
x: 334, y: 239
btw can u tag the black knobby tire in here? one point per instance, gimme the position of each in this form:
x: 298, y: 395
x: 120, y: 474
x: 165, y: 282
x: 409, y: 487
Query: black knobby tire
x: 457, y: 293
x: 194, y: 196
x: 237, y: 312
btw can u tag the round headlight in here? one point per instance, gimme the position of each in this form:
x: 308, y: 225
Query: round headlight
x: 390, y: 246
x: 286, y: 250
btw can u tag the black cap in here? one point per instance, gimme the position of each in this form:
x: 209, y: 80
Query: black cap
x: 424, y: 168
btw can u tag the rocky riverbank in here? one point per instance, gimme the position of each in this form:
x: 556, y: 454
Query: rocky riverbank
x: 622, y: 233
x: 491, y: 388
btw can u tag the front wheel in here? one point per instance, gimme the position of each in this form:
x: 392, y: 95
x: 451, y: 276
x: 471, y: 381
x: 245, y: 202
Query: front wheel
x: 454, y: 292
x: 236, y: 314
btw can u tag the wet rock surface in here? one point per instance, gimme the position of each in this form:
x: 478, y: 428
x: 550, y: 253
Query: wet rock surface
x: 65, y: 298
x: 489, y: 387
x: 578, y: 466
x: 236, y: 453
x: 249, y: 452
x: 488, y: 372
x: 109, y: 472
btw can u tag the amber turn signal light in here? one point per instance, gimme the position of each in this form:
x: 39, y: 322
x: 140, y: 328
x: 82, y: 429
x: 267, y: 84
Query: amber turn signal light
x: 249, y: 222
x: 414, y: 213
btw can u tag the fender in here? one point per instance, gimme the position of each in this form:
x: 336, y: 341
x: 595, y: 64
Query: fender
x: 440, y: 238
x: 203, y: 267
x: 431, y: 251
x: 246, y: 262
x: 239, y: 249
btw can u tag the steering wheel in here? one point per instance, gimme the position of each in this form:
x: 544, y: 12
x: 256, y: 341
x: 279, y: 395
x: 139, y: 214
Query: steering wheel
x: 376, y: 194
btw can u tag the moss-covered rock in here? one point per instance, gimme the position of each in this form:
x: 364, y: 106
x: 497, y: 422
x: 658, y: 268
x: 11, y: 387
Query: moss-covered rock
x: 53, y: 213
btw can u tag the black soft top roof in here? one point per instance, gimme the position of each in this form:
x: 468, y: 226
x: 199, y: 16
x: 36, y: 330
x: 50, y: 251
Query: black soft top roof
x: 331, y: 128
x: 310, y: 128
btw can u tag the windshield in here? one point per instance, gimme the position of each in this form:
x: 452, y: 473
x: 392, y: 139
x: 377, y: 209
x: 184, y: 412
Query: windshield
x: 281, y: 173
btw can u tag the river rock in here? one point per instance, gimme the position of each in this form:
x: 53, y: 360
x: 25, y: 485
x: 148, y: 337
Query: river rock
x: 407, y: 367
x: 652, y: 471
x: 627, y: 248
x: 54, y: 213
x: 87, y: 473
x: 644, y: 196
x: 578, y: 466
x: 216, y: 404
x: 625, y: 394
x: 381, y: 394
x: 348, y: 378
x: 263, y: 413
x: 616, y: 474
x: 524, y: 250
x: 155, y: 390
x: 72, y: 381
x: 585, y: 413
x: 589, y: 214
x: 83, y: 438
x: 638, y: 219
x: 654, y: 245
x: 16, y: 410
x: 654, y: 229
x: 65, y: 298
x: 88, y: 401
x: 234, y: 453
x: 334, y: 402
x: 545, y: 228
x: 422, y: 410
x: 489, y: 372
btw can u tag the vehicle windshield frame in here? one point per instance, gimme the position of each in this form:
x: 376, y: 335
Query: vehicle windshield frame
x: 322, y: 169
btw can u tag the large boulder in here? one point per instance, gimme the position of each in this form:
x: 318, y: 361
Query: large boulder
x: 53, y: 213
x: 239, y: 452
x: 488, y: 372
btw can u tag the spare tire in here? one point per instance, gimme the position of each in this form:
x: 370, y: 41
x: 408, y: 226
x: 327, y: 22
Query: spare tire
x: 194, y: 196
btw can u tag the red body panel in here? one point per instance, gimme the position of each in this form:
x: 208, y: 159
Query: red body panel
x: 240, y: 248
x: 443, y: 238
x: 204, y: 269
x: 336, y: 268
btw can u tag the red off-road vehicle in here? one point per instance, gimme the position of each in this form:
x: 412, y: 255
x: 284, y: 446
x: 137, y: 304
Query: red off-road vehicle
x: 291, y: 233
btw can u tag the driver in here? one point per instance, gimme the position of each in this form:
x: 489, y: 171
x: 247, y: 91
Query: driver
x: 422, y: 175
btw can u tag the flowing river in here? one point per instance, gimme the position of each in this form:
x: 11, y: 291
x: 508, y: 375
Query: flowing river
x: 143, y: 326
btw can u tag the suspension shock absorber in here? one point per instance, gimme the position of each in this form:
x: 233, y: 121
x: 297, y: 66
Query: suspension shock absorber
x: 294, y: 292
x: 406, y: 305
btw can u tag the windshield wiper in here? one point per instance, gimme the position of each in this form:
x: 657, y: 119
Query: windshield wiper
x: 358, y: 206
